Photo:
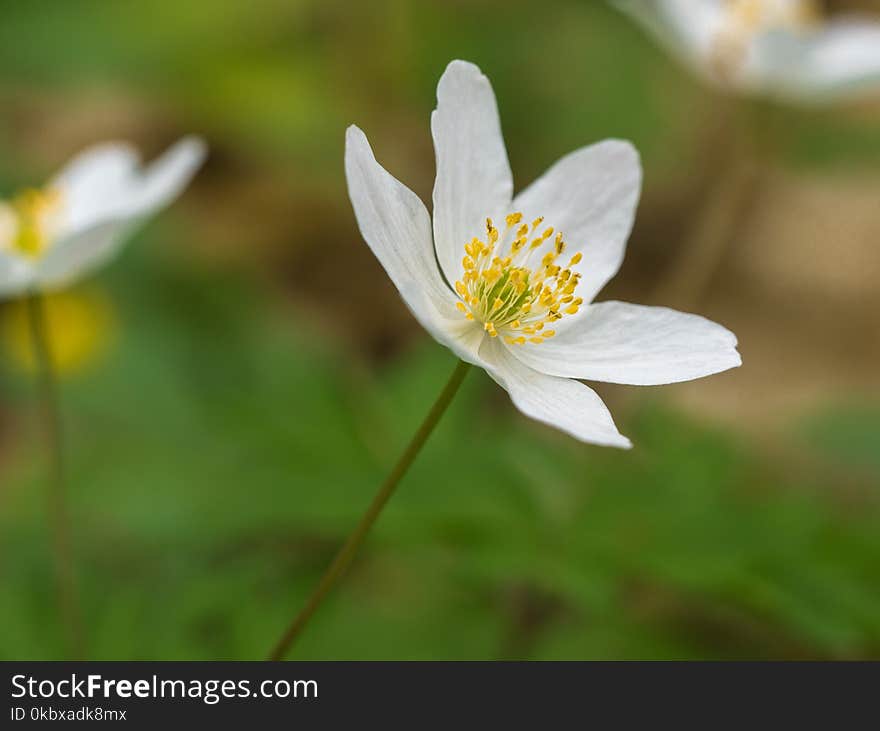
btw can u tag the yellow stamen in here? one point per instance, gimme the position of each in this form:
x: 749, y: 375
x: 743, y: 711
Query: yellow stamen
x: 29, y: 221
x: 506, y: 293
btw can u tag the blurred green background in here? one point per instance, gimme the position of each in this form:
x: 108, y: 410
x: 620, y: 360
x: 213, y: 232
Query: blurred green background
x: 237, y: 383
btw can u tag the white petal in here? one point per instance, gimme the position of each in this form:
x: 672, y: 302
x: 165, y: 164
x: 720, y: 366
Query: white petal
x: 395, y: 225
x: 843, y: 59
x: 590, y: 195
x: 106, y: 182
x: 16, y: 274
x: 685, y: 27
x: 562, y: 403
x: 94, y: 181
x: 16, y: 270
x: 617, y: 342
x: 105, y: 195
x: 165, y: 178
x: 80, y: 253
x: 474, y: 181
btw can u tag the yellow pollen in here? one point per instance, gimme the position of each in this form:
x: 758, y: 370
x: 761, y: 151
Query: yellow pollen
x: 514, y: 290
x: 762, y: 15
x: 28, y: 221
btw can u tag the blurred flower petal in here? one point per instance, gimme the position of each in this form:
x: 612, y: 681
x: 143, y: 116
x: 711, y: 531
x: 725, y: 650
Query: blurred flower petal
x: 105, y: 194
x: 782, y: 48
x: 843, y: 59
x: 685, y: 27
x: 94, y: 181
x: 49, y: 238
x: 16, y: 274
x: 107, y: 182
x: 80, y: 253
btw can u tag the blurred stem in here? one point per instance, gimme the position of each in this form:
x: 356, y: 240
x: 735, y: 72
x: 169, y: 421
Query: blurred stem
x: 58, y: 515
x: 352, y: 544
x: 735, y: 171
x: 705, y: 245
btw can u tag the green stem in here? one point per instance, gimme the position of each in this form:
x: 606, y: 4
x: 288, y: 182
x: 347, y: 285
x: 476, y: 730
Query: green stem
x: 59, y: 519
x: 352, y: 544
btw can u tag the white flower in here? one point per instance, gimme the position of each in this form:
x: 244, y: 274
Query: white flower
x: 50, y: 237
x: 516, y: 275
x: 781, y: 48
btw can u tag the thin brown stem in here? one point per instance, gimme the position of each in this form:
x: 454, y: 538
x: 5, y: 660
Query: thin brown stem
x: 733, y: 175
x: 706, y: 244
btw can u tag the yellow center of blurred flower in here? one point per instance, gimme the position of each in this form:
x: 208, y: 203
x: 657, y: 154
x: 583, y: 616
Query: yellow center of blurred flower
x: 80, y: 327
x: 513, y: 289
x: 28, y: 222
x: 746, y: 19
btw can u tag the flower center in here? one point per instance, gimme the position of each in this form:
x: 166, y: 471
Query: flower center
x: 746, y: 19
x: 512, y: 283
x: 28, y: 221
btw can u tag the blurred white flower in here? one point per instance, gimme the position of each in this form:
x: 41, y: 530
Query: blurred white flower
x: 50, y: 237
x: 501, y: 287
x: 781, y: 48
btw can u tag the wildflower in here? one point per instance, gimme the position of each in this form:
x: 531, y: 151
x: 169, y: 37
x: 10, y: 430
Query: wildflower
x: 781, y: 48
x: 507, y: 282
x: 53, y: 236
